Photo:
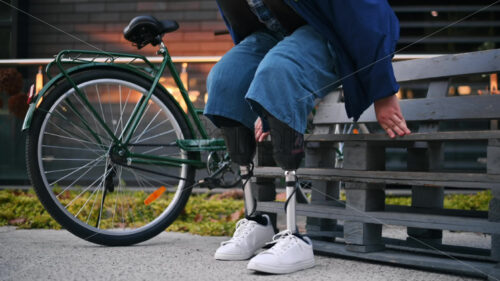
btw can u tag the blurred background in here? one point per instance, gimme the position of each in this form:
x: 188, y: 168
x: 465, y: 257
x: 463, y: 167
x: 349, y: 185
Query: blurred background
x: 54, y: 24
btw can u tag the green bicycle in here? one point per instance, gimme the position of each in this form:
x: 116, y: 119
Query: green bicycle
x: 105, y: 141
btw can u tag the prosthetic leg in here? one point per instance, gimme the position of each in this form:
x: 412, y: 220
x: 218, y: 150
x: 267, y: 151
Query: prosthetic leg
x: 288, y: 152
x: 255, y: 230
x: 291, y: 251
x: 240, y: 142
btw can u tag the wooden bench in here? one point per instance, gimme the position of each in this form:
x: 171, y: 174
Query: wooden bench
x: 364, y: 173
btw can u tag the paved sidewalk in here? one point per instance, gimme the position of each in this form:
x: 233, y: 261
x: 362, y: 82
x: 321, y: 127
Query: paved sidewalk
x: 58, y: 255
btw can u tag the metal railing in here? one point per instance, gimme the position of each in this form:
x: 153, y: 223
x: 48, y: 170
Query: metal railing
x: 176, y: 59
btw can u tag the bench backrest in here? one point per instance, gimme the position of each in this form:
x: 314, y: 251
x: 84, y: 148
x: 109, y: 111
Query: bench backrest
x: 436, y: 106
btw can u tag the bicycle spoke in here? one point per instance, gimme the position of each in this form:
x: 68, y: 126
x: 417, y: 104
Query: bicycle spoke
x: 119, y: 175
x: 69, y: 138
x: 76, y: 127
x: 142, y: 117
x: 88, y: 199
x: 81, y: 117
x: 149, y: 124
x: 72, y: 148
x: 138, y: 210
x: 110, y: 108
x: 95, y: 160
x: 71, y: 134
x: 96, y: 122
x: 79, y: 195
x: 93, y: 203
x: 61, y: 170
x: 67, y: 130
x: 152, y: 128
x: 157, y: 135
x: 98, y: 223
x: 100, y: 103
x: 152, y: 150
x: 159, y: 183
x: 124, y: 107
x: 66, y: 159
x: 67, y: 120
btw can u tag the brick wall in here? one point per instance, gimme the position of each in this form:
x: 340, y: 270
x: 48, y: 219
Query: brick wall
x: 99, y: 24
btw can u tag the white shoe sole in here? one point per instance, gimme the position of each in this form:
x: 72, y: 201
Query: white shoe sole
x: 282, y: 269
x: 232, y: 257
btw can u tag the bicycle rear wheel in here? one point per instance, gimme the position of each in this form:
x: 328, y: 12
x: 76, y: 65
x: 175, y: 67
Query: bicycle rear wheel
x: 81, y: 180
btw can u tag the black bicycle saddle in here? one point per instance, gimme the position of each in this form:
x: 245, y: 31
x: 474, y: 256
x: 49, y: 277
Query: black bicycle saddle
x: 143, y: 30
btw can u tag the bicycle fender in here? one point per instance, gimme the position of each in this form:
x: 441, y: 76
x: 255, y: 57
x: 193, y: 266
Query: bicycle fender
x: 59, y: 77
x: 37, y: 100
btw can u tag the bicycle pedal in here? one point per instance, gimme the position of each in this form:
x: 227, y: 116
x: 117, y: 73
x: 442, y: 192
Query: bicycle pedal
x: 209, y: 183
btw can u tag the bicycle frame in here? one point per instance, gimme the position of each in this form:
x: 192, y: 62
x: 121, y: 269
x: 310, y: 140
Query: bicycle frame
x: 151, y: 72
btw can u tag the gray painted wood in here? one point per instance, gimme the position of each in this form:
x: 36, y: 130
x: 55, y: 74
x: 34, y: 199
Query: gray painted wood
x: 429, y: 262
x: 386, y: 140
x: 494, y: 273
x: 264, y: 189
x: 444, y: 212
x: 425, y: 109
x: 438, y: 89
x: 324, y: 192
x: 424, y: 156
x: 359, y: 236
x: 389, y: 218
x: 493, y: 167
x: 449, y: 65
x: 493, y: 159
x: 460, y: 180
x: 494, y: 216
x: 479, y: 254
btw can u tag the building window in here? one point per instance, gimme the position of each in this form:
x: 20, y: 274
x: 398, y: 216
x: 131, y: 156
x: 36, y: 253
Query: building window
x: 8, y: 29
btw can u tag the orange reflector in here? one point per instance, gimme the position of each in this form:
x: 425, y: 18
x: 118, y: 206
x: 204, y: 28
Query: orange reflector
x: 153, y: 196
x: 355, y: 131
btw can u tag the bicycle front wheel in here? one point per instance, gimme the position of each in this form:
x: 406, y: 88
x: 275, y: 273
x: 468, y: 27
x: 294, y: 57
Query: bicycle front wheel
x: 81, y: 180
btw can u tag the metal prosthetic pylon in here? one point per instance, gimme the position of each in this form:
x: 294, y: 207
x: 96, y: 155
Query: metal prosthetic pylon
x: 290, y: 180
x: 246, y: 173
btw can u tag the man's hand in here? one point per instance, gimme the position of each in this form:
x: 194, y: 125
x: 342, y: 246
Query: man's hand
x: 389, y: 116
x: 259, y: 134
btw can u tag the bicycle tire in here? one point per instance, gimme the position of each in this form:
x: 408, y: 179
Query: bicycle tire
x: 58, y: 138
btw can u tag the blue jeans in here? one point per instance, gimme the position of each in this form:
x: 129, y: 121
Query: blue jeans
x: 281, y: 75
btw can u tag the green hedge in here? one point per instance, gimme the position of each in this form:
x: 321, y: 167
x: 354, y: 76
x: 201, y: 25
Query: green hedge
x: 204, y: 214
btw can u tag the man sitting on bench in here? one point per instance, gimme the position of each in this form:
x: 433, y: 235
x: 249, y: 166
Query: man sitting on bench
x: 287, y: 54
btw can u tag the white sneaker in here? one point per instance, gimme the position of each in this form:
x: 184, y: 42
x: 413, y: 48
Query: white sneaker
x: 248, y: 238
x: 289, y: 254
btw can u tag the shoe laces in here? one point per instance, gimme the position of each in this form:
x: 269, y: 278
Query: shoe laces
x: 283, y: 241
x: 243, y: 228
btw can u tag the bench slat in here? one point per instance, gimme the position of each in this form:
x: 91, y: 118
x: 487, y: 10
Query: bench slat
x: 463, y: 267
x: 461, y: 180
x: 438, y: 136
x: 448, y: 65
x: 426, y: 109
x: 388, y: 218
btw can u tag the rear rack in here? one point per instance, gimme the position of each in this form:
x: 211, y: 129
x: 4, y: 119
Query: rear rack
x: 82, y: 57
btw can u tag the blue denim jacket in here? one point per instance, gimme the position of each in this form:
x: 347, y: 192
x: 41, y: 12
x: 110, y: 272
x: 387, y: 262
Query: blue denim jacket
x: 364, y: 35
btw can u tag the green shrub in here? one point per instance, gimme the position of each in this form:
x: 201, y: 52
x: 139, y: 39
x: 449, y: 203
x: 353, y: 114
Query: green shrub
x: 203, y: 214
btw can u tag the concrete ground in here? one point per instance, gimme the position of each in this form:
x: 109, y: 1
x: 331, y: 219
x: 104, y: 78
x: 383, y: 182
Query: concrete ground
x: 58, y: 255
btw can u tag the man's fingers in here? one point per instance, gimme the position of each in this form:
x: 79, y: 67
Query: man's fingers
x: 398, y: 131
x: 399, y: 126
x: 263, y: 136
x: 258, y: 129
x: 390, y: 132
